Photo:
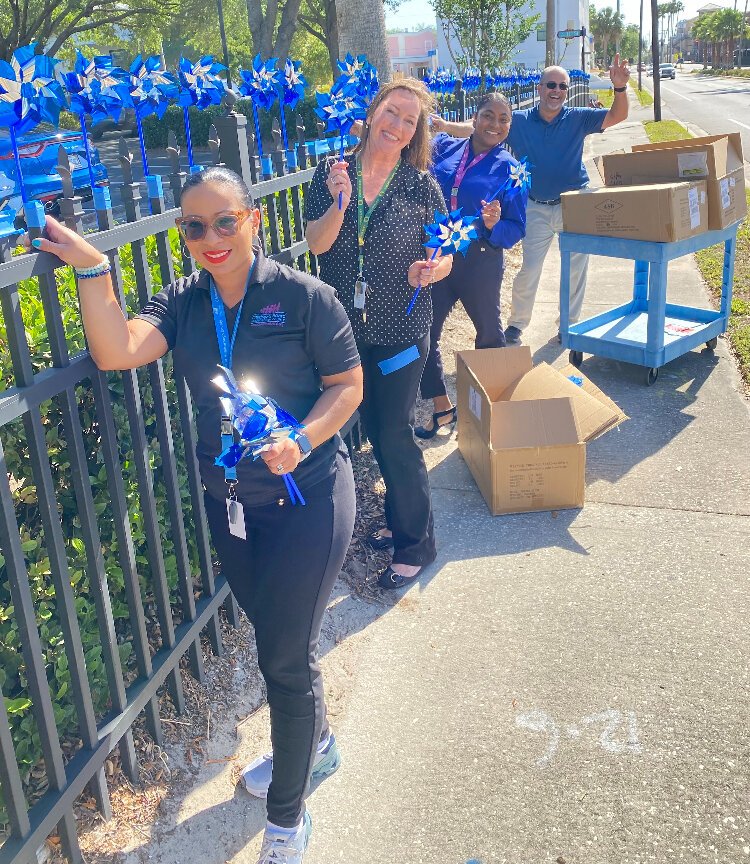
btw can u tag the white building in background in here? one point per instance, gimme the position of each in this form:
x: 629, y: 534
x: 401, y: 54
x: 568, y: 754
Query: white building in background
x: 569, y: 15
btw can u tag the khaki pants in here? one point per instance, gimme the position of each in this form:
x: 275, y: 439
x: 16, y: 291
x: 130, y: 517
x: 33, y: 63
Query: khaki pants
x: 543, y: 222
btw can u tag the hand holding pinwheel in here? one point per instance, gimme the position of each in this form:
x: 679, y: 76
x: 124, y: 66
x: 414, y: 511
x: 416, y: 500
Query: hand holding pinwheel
x: 261, y: 424
x: 340, y: 108
x: 448, y: 234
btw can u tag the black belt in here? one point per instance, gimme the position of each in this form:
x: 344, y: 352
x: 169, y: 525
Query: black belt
x: 551, y: 203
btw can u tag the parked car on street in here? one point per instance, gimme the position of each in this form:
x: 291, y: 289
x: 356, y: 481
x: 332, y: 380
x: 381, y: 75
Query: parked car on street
x: 38, y: 152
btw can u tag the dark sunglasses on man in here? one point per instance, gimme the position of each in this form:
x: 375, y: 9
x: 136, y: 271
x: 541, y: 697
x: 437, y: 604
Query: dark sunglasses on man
x: 551, y: 85
x: 193, y: 228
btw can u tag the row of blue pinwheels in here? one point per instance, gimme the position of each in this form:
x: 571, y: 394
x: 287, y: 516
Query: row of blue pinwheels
x: 33, y: 89
x: 443, y: 82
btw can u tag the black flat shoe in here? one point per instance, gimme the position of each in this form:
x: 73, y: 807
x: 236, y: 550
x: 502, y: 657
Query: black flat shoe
x: 379, y: 541
x: 389, y: 579
x: 424, y: 433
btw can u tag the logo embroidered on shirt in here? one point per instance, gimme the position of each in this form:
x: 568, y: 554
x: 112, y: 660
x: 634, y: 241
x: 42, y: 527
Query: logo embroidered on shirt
x: 269, y: 316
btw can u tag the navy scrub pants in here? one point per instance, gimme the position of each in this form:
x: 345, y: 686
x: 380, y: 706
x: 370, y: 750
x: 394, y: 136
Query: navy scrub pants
x: 475, y: 281
x: 282, y: 576
x: 388, y: 411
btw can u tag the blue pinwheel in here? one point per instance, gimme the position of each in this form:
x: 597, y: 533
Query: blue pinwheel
x: 291, y: 85
x: 360, y: 75
x: 448, y: 234
x: 519, y: 176
x: 29, y: 94
x: 151, y: 88
x: 98, y: 88
x: 261, y: 84
x: 340, y: 109
x: 259, y: 422
x: 200, y: 86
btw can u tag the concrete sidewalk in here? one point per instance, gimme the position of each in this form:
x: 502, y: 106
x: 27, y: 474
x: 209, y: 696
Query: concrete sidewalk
x: 567, y: 687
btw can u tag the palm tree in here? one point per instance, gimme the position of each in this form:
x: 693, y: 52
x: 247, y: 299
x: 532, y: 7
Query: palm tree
x: 362, y: 31
x: 728, y: 24
x: 607, y: 26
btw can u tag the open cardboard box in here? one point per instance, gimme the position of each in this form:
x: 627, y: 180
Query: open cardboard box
x: 522, y: 430
x: 717, y: 159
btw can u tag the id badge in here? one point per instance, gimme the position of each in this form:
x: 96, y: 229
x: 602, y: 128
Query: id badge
x: 360, y: 294
x: 236, y: 519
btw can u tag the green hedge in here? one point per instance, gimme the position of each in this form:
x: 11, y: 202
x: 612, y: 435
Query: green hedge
x: 156, y: 130
x: 12, y: 667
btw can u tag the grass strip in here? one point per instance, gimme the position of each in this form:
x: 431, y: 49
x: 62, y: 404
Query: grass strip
x: 665, y: 130
x: 644, y: 97
x: 711, y: 264
x: 606, y: 97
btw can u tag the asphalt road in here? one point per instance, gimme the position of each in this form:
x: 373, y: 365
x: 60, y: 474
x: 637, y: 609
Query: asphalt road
x: 712, y: 103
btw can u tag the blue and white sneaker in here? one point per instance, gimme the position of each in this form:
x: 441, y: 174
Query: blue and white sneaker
x: 286, y: 847
x: 257, y: 775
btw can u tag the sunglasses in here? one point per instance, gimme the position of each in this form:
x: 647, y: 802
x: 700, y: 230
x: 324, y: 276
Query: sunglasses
x: 193, y: 228
x: 551, y: 85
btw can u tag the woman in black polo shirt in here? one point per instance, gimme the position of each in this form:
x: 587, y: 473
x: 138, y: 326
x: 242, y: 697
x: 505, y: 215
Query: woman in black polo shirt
x: 287, y: 332
x: 375, y: 240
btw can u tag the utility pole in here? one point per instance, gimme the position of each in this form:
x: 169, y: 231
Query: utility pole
x: 223, y: 34
x: 551, y: 34
x: 640, y: 48
x: 655, y: 58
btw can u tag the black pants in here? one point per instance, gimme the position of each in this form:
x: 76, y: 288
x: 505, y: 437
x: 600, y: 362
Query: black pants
x: 282, y: 576
x: 388, y: 410
x: 475, y: 281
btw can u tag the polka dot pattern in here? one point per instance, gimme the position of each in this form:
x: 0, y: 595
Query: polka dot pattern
x: 393, y: 242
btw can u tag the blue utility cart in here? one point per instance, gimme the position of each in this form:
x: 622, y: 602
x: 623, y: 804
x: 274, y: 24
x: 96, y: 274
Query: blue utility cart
x: 647, y: 331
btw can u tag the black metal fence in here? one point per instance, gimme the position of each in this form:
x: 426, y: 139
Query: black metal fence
x: 85, y: 457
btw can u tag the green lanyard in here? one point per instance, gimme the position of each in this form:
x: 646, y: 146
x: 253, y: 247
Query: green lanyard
x: 363, y: 218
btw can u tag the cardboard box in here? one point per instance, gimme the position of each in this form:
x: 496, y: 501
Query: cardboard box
x: 660, y: 212
x: 717, y: 159
x: 523, y: 431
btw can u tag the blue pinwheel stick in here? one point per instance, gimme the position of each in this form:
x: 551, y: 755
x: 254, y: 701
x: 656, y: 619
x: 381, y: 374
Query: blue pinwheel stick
x: 448, y: 234
x: 200, y: 86
x: 259, y: 422
x: 340, y: 108
x: 151, y: 90
x: 519, y: 177
x: 291, y: 83
x: 261, y: 84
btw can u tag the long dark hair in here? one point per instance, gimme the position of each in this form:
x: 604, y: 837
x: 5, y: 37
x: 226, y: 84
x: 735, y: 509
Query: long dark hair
x: 420, y: 146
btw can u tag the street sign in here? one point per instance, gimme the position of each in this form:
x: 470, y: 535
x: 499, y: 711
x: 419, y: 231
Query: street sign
x: 569, y: 34
x: 432, y: 52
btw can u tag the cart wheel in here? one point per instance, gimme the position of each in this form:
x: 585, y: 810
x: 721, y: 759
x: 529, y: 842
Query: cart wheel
x: 576, y: 358
x: 651, y: 376
x: 712, y: 343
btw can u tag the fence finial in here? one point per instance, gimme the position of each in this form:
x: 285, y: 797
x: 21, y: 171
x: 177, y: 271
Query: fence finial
x: 126, y: 161
x: 63, y: 169
x: 173, y: 152
x: 214, y: 145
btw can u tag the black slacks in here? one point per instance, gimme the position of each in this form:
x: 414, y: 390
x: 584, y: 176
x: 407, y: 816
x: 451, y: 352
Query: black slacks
x: 282, y: 576
x: 388, y: 411
x: 475, y: 281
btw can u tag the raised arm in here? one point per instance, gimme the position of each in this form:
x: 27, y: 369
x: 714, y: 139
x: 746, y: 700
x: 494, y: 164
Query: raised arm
x: 619, y: 74
x: 455, y: 130
x: 321, y: 233
x: 114, y: 342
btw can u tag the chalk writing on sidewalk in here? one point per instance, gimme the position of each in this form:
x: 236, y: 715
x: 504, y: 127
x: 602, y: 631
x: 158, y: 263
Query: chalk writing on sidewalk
x: 618, y: 731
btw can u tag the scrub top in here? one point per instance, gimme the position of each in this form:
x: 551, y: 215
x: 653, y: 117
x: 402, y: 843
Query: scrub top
x: 393, y: 242
x: 292, y: 331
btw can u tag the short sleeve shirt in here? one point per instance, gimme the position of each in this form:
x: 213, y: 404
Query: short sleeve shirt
x: 393, y: 242
x: 554, y: 150
x: 292, y: 331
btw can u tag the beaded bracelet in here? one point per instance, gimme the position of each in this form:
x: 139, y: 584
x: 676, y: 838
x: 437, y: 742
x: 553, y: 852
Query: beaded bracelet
x: 100, y: 269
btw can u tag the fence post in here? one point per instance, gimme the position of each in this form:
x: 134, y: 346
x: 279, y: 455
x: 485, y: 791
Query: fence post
x: 232, y: 130
x: 462, y: 104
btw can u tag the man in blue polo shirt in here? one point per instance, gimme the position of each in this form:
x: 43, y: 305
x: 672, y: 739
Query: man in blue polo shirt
x: 551, y: 136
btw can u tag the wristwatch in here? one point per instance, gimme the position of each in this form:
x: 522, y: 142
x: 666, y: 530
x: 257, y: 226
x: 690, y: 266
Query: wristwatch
x: 619, y: 89
x: 303, y: 442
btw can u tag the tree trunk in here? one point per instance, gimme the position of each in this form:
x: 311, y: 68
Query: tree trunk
x: 362, y: 31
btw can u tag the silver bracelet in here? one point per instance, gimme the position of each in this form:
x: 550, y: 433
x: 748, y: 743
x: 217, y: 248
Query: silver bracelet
x: 100, y: 269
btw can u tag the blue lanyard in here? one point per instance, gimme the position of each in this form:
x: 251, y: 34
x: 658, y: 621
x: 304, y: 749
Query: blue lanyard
x: 226, y: 350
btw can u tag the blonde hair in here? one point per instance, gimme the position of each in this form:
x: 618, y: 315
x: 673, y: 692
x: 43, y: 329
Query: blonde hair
x: 417, y: 153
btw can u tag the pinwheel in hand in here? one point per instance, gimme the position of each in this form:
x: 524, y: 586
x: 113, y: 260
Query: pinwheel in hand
x: 340, y: 108
x: 29, y: 94
x: 448, y: 234
x: 200, y: 86
x: 151, y: 89
x: 259, y: 421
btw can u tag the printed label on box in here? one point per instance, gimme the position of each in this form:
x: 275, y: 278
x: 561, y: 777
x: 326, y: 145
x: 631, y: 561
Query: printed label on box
x: 475, y: 403
x: 692, y: 165
x: 726, y: 202
x: 695, y: 213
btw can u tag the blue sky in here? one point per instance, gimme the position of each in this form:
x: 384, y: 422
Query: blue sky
x: 413, y: 12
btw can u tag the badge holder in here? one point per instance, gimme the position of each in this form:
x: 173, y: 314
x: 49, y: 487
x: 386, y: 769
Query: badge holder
x: 235, y: 510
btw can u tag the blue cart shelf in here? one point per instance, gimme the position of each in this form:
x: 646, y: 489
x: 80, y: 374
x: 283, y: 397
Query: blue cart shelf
x: 647, y: 331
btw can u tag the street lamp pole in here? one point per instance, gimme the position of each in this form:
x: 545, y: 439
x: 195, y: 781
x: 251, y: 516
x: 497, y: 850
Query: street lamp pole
x: 655, y: 58
x: 223, y: 34
x: 640, y: 48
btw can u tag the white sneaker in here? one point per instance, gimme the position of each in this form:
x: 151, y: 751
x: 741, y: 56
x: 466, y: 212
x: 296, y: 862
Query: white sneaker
x: 257, y: 775
x: 281, y: 847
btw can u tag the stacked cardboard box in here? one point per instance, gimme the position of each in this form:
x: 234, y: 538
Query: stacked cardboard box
x: 663, y: 192
x: 522, y: 430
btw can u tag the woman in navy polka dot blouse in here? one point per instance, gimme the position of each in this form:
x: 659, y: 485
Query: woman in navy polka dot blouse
x: 371, y: 251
